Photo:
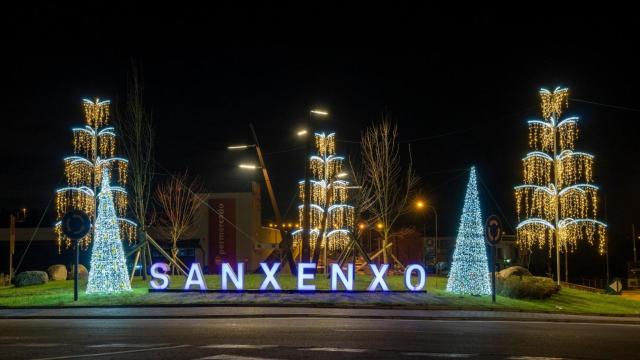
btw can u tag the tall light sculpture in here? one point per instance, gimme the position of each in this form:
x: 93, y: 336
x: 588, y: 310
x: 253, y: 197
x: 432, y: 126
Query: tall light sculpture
x: 108, y: 266
x: 331, y: 217
x: 470, y: 268
x: 558, y: 203
x: 94, y: 147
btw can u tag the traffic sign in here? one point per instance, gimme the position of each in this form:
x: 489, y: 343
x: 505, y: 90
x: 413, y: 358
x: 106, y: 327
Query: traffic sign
x: 76, y: 224
x: 616, y: 286
x: 493, y: 230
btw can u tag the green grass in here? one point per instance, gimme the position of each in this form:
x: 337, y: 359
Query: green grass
x: 60, y: 293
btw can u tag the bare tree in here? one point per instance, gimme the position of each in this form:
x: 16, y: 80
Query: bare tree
x: 178, y: 201
x: 387, y: 188
x: 135, y: 123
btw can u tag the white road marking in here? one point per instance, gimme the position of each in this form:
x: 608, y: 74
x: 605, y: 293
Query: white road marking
x: 111, y: 353
x: 37, y: 344
x: 124, y: 345
x: 534, y: 358
x: 380, y: 330
x: 330, y: 349
x: 237, y: 346
x: 441, y: 355
x: 233, y: 357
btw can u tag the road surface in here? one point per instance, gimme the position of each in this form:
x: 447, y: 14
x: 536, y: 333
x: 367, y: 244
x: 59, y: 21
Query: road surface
x: 313, y: 338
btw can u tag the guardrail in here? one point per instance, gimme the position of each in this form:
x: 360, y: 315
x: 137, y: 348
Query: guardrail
x: 582, y: 287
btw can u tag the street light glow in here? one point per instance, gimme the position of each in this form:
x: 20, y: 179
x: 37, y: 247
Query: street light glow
x: 420, y: 204
x: 342, y: 175
x: 239, y: 147
x: 301, y: 132
x: 248, y: 166
x: 319, y: 112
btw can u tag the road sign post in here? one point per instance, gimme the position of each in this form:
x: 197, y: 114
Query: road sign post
x: 76, y: 225
x: 493, y: 235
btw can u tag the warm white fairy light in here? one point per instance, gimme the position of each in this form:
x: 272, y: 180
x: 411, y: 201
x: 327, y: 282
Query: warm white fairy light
x: 557, y: 198
x: 94, y: 147
x: 328, y: 193
x: 108, y: 266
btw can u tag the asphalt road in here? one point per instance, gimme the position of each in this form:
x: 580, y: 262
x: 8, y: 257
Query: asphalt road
x: 313, y: 338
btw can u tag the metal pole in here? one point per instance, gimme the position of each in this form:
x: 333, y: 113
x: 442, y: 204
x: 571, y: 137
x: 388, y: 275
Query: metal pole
x: 75, y: 271
x: 566, y: 266
x: 306, y: 214
x: 494, y: 251
x: 635, y: 255
x: 556, y: 205
x: 435, y: 261
x: 274, y: 202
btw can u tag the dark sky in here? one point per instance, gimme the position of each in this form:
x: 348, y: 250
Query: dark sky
x: 460, y: 88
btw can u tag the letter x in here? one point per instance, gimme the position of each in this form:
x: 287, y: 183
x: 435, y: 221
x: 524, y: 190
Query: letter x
x: 378, y: 277
x: 269, y: 274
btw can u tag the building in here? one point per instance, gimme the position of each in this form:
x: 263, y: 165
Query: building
x: 227, y: 228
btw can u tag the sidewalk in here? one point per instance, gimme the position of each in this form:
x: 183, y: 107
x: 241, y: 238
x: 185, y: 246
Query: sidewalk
x: 213, y: 312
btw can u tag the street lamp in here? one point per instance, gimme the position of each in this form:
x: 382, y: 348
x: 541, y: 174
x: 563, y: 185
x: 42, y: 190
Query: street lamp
x: 421, y: 205
x: 272, y: 196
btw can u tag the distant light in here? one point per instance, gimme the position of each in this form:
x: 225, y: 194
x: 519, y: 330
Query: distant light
x: 419, y: 204
x: 302, y: 132
x: 248, y: 166
x: 238, y: 147
x: 379, y: 225
x: 319, y: 112
x: 342, y: 175
x: 361, y: 226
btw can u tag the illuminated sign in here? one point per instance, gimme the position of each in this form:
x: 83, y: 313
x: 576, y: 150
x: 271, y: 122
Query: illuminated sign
x: 339, y: 279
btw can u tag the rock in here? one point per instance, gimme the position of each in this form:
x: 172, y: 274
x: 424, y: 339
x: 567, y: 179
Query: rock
x: 83, y: 273
x: 57, y: 272
x: 513, y: 271
x: 27, y: 278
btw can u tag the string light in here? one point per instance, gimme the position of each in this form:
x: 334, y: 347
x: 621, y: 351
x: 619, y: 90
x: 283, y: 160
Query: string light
x: 94, y: 147
x: 557, y: 198
x: 108, y: 266
x: 470, y: 269
x: 327, y: 192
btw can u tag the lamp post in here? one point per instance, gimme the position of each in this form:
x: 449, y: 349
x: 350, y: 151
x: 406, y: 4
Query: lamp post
x: 272, y: 196
x: 420, y: 205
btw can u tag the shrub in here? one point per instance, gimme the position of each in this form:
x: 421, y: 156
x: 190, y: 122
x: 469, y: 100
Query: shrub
x: 27, y: 278
x: 527, y: 287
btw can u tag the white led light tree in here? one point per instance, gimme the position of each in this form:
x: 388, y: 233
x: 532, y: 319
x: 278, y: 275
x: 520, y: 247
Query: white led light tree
x: 558, y: 200
x: 108, y: 272
x: 94, y: 148
x: 470, y: 269
x: 332, y: 218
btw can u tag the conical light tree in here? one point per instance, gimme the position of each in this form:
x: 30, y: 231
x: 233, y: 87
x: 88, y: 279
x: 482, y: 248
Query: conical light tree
x: 470, y: 269
x: 94, y: 147
x: 108, y: 272
x: 558, y: 203
x: 332, y: 218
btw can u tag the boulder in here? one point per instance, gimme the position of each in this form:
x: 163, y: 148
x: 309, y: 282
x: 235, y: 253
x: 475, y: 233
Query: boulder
x: 83, y: 273
x: 513, y: 271
x: 57, y: 272
x: 27, y: 278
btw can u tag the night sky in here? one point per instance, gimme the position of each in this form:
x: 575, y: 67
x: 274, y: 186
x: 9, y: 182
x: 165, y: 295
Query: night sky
x: 460, y: 88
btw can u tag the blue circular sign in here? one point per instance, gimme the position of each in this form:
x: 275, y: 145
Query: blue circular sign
x: 76, y: 224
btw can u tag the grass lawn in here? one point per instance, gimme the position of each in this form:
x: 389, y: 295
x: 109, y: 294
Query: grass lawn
x: 60, y: 293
